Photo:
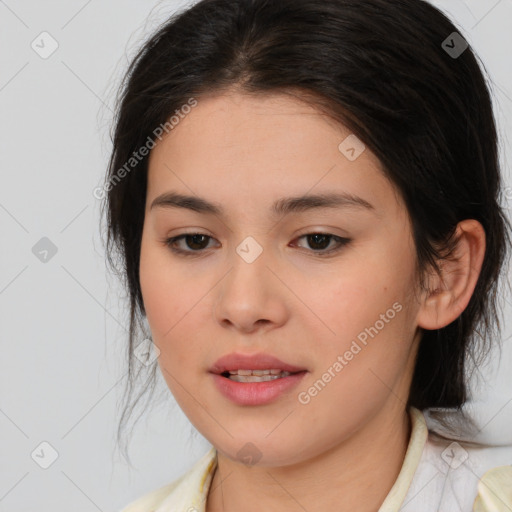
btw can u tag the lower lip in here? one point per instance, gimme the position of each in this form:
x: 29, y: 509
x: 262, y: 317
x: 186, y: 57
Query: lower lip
x: 256, y: 393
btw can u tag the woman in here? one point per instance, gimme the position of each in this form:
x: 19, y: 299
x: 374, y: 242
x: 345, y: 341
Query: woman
x: 303, y: 197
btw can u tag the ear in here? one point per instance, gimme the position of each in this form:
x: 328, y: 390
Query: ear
x: 449, y: 295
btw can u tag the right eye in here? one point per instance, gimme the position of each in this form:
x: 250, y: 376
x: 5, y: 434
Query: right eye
x: 194, y: 240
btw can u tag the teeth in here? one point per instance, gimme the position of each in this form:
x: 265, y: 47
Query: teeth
x: 256, y: 378
x: 261, y: 372
x: 256, y: 375
x: 274, y: 371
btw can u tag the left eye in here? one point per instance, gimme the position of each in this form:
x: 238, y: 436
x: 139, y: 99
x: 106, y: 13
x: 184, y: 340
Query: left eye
x: 196, y: 238
x: 322, y: 240
x: 198, y: 242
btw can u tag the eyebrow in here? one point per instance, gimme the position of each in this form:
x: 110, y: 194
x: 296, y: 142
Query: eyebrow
x: 282, y: 206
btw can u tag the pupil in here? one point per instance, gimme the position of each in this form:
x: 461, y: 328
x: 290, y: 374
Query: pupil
x: 315, y: 240
x: 194, y: 238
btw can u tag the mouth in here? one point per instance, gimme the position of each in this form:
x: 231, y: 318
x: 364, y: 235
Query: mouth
x: 255, y: 379
x: 253, y: 367
x: 256, y: 375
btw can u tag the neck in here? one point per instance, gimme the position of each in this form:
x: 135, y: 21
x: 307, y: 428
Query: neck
x: 357, y: 473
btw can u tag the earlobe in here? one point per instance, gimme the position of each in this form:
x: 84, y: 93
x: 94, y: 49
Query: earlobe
x: 450, y: 293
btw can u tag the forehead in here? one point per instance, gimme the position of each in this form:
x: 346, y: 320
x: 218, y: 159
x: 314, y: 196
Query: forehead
x: 253, y: 148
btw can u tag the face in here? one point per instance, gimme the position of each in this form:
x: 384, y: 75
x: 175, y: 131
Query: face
x: 325, y: 288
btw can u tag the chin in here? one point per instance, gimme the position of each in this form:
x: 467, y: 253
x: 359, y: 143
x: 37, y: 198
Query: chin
x: 261, y: 452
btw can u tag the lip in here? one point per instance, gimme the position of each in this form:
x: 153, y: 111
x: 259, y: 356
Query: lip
x: 254, y: 393
x: 237, y: 361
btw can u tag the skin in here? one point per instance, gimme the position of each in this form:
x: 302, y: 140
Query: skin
x: 349, y: 441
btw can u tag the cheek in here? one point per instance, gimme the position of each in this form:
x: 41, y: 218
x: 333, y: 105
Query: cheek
x: 155, y: 287
x: 368, y: 313
x: 358, y: 292
x: 174, y: 310
x: 159, y: 282
x: 165, y: 290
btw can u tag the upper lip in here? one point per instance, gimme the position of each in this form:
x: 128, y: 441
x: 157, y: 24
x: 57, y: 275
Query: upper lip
x: 238, y: 361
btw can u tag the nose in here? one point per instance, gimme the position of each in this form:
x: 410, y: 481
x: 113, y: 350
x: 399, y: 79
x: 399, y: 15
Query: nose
x: 251, y: 297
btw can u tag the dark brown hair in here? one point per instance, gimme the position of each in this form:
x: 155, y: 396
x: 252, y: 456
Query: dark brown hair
x: 381, y: 68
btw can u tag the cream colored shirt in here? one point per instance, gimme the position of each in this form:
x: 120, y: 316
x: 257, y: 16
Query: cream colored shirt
x: 436, y: 476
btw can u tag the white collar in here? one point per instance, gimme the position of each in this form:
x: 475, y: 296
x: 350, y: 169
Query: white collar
x: 189, y: 493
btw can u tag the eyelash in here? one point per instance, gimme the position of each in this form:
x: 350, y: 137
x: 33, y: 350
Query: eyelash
x: 169, y: 242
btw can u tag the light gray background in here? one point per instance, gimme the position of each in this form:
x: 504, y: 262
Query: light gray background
x: 63, y: 322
